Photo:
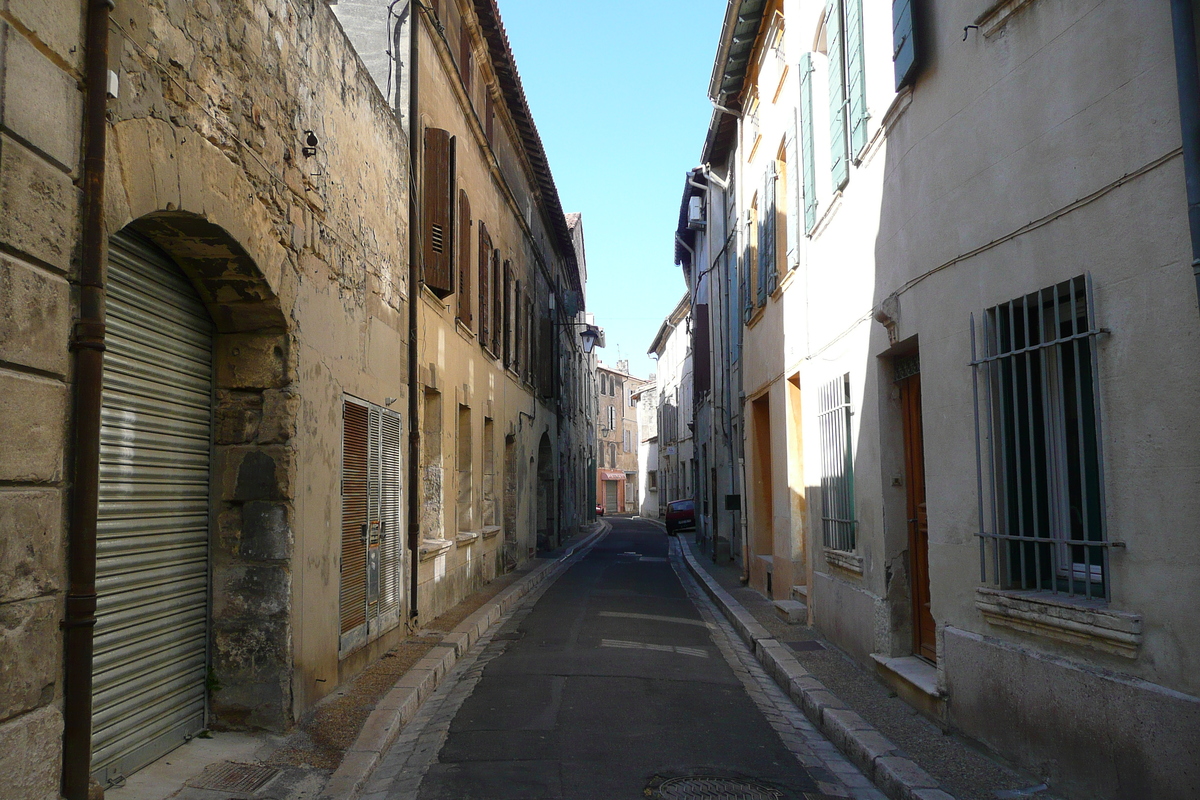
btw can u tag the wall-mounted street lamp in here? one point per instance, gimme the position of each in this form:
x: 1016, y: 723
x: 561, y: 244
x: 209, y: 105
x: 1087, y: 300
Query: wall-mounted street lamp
x: 591, y: 335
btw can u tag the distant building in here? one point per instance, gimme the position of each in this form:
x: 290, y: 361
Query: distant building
x: 672, y: 346
x: 617, y: 459
x: 646, y: 398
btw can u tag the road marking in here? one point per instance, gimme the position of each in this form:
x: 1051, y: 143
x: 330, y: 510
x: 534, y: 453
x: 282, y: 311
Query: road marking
x: 658, y: 648
x: 655, y: 617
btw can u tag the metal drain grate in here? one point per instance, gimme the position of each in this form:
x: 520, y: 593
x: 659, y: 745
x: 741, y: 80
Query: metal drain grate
x: 230, y: 777
x: 714, y: 789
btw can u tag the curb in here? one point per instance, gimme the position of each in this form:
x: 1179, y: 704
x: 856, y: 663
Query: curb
x: 884, y: 764
x: 400, y: 705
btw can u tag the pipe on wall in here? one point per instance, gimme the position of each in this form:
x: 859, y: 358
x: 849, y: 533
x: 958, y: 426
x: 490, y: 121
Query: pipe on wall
x: 1188, y: 77
x: 79, y: 619
x: 414, y: 290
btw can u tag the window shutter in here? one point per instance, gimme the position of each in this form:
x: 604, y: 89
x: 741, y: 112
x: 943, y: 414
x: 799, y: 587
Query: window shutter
x: 771, y: 226
x: 438, y: 211
x: 498, y: 321
x: 839, y: 143
x: 808, y: 151
x: 744, y: 285
x: 904, y: 48
x: 489, y: 117
x: 507, y: 343
x: 391, y: 566
x: 701, y: 370
x: 546, y: 356
x: 791, y: 184
x: 485, y: 285
x: 464, y: 259
x: 353, y: 592
x: 856, y: 72
x: 466, y: 62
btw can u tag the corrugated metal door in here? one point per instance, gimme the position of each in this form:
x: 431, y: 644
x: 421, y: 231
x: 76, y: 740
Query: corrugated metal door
x: 610, y: 497
x: 152, y: 541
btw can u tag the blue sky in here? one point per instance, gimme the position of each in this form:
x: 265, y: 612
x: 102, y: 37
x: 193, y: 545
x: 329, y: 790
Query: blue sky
x: 618, y: 89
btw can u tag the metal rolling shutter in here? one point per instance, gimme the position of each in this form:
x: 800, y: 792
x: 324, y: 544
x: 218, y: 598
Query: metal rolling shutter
x: 152, y: 541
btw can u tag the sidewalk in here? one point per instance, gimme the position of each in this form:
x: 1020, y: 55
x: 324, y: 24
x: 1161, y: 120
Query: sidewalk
x: 335, y: 747
x: 907, y: 755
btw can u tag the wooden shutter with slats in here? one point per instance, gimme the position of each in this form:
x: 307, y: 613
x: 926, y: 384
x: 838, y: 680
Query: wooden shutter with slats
x: 486, y: 287
x: 438, y: 211
x: 507, y: 344
x: 839, y: 143
x: 904, y: 46
x: 856, y: 80
x: 353, y: 596
x: 808, y: 153
x: 464, y: 259
x: 497, y: 303
x: 791, y: 185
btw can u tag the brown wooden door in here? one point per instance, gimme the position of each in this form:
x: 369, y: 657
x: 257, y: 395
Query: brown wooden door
x: 924, y: 629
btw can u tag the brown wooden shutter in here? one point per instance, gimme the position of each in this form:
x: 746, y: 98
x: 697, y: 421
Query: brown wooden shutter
x: 485, y: 285
x: 438, y: 211
x: 466, y: 62
x: 353, y: 595
x: 701, y: 369
x: 497, y: 303
x: 545, y: 356
x: 464, y: 259
x: 511, y: 287
x: 489, y: 117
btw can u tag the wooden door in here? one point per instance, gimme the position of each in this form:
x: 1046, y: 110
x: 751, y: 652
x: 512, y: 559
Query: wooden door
x: 924, y: 629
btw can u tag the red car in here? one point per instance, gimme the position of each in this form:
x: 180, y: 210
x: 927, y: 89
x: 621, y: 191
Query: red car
x: 681, y: 515
x: 599, y: 509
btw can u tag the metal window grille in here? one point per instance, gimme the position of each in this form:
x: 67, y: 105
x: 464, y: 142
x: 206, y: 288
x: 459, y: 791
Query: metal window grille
x: 837, y: 465
x: 1038, y: 450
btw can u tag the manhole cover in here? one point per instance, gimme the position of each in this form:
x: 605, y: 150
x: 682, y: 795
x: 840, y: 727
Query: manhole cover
x: 230, y: 777
x: 714, y: 789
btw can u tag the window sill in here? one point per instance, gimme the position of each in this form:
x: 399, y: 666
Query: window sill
x: 997, y: 16
x: 465, y: 538
x: 1087, y: 623
x: 756, y: 316
x: 851, y: 562
x: 432, y: 548
x: 490, y: 531
x: 464, y: 330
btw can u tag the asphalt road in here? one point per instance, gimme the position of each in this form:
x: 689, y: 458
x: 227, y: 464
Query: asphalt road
x: 612, y: 682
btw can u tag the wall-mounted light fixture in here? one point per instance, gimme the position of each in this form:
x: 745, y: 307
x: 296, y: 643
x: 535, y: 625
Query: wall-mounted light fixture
x: 310, y: 144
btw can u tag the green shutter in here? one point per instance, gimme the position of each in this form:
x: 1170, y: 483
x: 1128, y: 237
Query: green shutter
x: 791, y: 179
x: 808, y: 165
x: 760, y: 285
x: 769, y: 226
x: 904, y: 50
x: 856, y: 77
x: 839, y: 143
x: 744, y: 284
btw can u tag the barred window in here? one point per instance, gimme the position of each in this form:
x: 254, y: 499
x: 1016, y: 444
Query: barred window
x: 1038, y: 446
x: 837, y: 466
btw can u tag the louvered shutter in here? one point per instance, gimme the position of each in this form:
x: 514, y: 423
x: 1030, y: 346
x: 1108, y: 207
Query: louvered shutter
x: 506, y: 344
x: 744, y: 287
x: 437, y: 211
x: 391, y: 566
x: 353, y: 595
x: 486, y: 287
x: 701, y: 370
x: 546, y: 356
x: 856, y: 77
x: 808, y: 153
x: 497, y: 302
x: 791, y: 184
x: 466, y: 61
x: 772, y: 227
x: 464, y: 259
x: 839, y: 143
x: 904, y: 47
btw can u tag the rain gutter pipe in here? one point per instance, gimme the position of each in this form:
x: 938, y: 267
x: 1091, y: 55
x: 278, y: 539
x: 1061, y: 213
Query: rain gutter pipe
x: 1188, y: 76
x: 414, y: 291
x: 79, y: 620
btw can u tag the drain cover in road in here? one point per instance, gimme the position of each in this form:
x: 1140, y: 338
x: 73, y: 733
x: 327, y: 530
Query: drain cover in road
x: 695, y: 788
x: 230, y: 777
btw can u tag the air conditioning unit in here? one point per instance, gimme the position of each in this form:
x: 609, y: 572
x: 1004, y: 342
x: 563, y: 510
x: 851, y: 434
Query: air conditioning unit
x: 696, y: 213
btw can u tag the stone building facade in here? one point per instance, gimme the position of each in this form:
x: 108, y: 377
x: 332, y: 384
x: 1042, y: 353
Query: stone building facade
x: 253, y: 478
x: 617, y: 440
x: 945, y: 243
x: 672, y: 347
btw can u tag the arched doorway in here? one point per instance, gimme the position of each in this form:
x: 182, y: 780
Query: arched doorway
x: 153, y: 525
x: 547, y: 535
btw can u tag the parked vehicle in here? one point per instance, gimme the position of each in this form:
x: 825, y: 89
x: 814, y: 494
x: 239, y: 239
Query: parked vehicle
x: 681, y: 515
x: 599, y: 509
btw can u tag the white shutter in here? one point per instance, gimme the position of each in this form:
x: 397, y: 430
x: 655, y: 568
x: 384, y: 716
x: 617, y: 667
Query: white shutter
x: 152, y: 535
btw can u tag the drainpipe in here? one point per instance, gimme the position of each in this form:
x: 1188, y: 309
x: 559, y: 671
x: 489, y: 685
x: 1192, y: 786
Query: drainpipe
x: 88, y: 343
x: 414, y: 289
x: 1184, y: 28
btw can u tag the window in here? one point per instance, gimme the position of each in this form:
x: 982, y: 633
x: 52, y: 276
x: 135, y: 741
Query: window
x: 485, y: 286
x: 612, y: 418
x: 371, y: 554
x: 837, y: 466
x: 808, y: 153
x: 1041, y: 508
x: 651, y: 481
x: 904, y: 44
x: 625, y: 441
x: 847, y: 87
x: 437, y: 211
x: 767, y: 261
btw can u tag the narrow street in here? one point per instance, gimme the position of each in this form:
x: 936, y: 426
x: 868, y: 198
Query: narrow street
x: 611, y: 682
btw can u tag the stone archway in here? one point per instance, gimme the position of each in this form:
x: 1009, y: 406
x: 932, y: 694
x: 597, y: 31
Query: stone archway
x: 255, y: 405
